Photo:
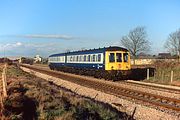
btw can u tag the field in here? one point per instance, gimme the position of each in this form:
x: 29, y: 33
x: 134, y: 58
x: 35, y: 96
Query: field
x: 30, y: 97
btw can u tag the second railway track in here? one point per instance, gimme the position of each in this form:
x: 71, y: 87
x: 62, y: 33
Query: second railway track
x: 153, y: 99
x: 152, y: 86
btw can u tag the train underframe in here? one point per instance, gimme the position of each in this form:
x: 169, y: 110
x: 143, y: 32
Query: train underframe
x: 114, y: 75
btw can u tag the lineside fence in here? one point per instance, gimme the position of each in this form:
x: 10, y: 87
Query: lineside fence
x: 3, y: 90
x: 164, y: 76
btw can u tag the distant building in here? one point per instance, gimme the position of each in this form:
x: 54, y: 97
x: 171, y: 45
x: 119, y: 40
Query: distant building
x: 164, y: 55
x: 44, y: 61
x: 26, y: 60
x: 37, y: 59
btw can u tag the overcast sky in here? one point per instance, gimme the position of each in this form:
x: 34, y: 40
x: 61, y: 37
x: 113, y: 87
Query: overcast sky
x: 30, y: 27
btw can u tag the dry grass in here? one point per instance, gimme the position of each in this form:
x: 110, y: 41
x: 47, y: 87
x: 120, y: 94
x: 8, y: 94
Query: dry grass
x: 163, y: 72
x: 29, y: 96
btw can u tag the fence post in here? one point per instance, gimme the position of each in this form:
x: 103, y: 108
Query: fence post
x: 4, y: 82
x: 3, y: 92
x: 147, y: 74
x: 1, y: 106
x: 171, y: 76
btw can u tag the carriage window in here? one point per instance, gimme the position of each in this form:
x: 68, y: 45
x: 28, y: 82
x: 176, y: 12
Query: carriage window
x: 93, y: 58
x: 89, y: 57
x: 77, y: 58
x: 99, y: 57
x: 125, y: 57
x: 111, y: 57
x: 84, y: 58
x: 80, y: 58
x: 71, y: 58
x: 118, y: 57
x: 96, y: 58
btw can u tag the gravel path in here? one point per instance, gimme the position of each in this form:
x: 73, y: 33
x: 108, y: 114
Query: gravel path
x: 141, y: 112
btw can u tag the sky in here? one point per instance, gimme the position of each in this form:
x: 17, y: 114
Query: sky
x: 44, y: 27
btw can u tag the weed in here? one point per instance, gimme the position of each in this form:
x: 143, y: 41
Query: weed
x: 163, y: 72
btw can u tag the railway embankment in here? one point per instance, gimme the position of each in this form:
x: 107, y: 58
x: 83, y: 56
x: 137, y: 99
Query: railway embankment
x: 31, y: 97
x: 138, y: 110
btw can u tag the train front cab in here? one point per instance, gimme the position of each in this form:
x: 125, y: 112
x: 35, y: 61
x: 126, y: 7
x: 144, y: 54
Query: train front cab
x: 117, y: 60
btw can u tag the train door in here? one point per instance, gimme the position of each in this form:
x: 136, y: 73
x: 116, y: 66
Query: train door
x: 126, y: 61
x: 119, y: 60
x: 110, y: 60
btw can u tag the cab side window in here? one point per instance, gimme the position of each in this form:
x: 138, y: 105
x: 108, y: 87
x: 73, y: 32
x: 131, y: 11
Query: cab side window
x: 125, y: 57
x: 111, y: 57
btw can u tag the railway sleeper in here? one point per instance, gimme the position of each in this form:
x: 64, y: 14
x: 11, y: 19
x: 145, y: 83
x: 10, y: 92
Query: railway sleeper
x: 146, y: 96
x: 172, y: 103
x: 164, y: 101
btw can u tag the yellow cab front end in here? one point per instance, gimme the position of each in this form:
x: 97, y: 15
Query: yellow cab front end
x: 117, y: 60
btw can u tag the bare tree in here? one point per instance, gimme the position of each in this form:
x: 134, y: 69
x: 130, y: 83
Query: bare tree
x: 136, y: 41
x: 173, y: 43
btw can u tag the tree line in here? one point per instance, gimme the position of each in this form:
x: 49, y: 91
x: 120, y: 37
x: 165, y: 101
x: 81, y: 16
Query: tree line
x: 136, y: 42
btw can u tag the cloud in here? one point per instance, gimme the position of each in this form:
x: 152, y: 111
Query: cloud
x: 49, y: 36
x: 18, y: 44
x: 29, y: 49
x: 11, y: 45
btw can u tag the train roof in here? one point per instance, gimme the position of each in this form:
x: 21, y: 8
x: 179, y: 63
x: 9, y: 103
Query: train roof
x: 99, y: 50
x: 115, y: 48
x: 58, y: 54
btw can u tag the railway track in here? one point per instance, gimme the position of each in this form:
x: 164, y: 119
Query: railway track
x: 153, y: 99
x: 138, y: 84
x: 152, y: 87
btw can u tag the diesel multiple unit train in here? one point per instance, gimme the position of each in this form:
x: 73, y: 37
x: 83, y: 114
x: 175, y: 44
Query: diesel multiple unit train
x: 111, y: 63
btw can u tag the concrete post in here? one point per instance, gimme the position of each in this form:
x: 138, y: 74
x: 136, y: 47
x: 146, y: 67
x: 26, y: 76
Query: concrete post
x: 147, y: 74
x: 171, y: 76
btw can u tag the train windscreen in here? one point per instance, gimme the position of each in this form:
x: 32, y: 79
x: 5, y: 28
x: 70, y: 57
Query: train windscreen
x: 118, y: 57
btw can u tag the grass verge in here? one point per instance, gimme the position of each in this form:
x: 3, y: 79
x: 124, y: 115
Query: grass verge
x: 30, y: 97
